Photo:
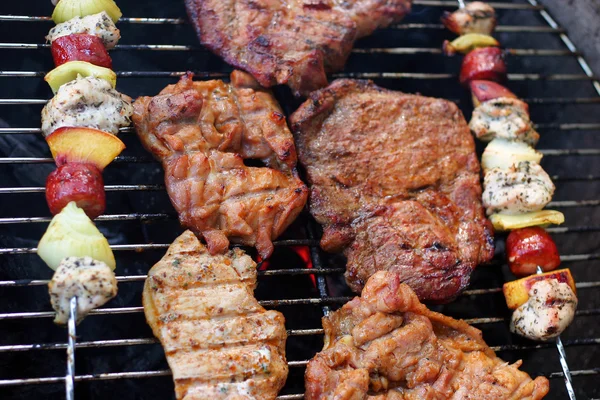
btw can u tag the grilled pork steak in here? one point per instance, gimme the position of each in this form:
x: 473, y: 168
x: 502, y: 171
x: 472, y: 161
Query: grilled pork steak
x: 203, y: 132
x: 219, y: 342
x: 293, y: 42
x: 386, y: 345
x: 395, y: 182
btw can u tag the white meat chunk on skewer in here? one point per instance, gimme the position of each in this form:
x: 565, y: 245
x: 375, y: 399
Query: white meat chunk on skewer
x: 523, y: 188
x: 475, y: 17
x: 87, y: 102
x: 100, y: 25
x: 505, y: 118
x: 548, y: 312
x: 92, y: 282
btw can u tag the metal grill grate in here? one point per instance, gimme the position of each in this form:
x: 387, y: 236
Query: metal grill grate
x: 116, y: 352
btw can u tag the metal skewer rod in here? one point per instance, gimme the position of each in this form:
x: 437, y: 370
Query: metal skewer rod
x: 70, y: 377
x: 461, y: 4
x: 563, y: 360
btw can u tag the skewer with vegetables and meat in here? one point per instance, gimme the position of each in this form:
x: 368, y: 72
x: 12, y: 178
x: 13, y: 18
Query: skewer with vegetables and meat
x: 80, y: 124
x: 516, y: 187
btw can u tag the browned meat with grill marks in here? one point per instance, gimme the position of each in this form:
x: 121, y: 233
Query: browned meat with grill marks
x: 219, y: 342
x: 386, y: 345
x: 293, y: 42
x: 204, y: 133
x: 395, y: 182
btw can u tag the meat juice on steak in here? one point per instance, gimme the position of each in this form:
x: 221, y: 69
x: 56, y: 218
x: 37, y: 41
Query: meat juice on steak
x: 293, y: 42
x: 395, y: 182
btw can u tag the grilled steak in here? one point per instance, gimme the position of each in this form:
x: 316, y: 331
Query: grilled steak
x: 386, y: 345
x: 293, y: 42
x: 219, y: 342
x: 395, y: 182
x: 203, y: 132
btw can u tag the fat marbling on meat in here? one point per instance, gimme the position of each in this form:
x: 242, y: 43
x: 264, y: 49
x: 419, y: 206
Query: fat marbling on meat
x: 386, y: 345
x: 204, y: 133
x: 395, y: 182
x: 293, y: 42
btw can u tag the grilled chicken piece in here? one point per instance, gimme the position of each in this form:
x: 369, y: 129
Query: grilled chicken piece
x: 219, y: 342
x: 548, y: 312
x: 386, y: 345
x: 505, y: 118
x: 203, y: 132
x: 522, y: 188
x: 87, y: 102
x: 395, y: 182
x: 293, y: 42
x: 100, y: 25
x: 92, y: 282
x: 475, y: 17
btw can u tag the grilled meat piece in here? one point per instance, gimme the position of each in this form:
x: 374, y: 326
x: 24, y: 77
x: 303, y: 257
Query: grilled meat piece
x: 522, y: 188
x: 203, y: 132
x: 475, y: 17
x: 91, y: 281
x: 549, y: 310
x: 293, y: 42
x: 395, y: 182
x: 387, y: 345
x: 219, y: 342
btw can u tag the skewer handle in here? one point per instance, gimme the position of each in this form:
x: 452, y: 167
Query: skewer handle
x: 562, y: 355
x: 70, y: 378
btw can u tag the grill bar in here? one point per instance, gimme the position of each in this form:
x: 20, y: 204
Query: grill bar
x: 324, y: 300
x: 354, y: 75
x: 152, y: 341
x: 150, y: 374
x: 530, y: 101
x: 391, y: 50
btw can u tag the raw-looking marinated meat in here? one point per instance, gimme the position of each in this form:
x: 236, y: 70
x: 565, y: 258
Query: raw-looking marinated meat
x: 205, y: 133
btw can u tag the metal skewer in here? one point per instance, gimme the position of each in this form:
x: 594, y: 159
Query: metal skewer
x: 563, y: 360
x: 70, y: 378
x: 461, y: 4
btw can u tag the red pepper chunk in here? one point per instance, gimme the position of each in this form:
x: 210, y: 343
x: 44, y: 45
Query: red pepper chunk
x: 80, y: 47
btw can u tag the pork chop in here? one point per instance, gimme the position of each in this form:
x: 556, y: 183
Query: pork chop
x: 386, y: 345
x: 205, y: 133
x: 293, y: 42
x: 395, y: 182
x: 219, y: 342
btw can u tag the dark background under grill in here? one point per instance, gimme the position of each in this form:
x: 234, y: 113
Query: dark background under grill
x: 140, y: 221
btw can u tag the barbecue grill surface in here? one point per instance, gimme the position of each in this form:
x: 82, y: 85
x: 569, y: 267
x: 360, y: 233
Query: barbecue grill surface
x: 117, y: 354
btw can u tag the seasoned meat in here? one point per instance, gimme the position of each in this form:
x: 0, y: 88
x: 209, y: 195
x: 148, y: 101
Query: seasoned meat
x: 87, y: 102
x: 219, y: 342
x: 387, y: 345
x: 475, y: 17
x: 505, y: 118
x: 548, y: 312
x: 293, y: 42
x: 395, y: 182
x: 522, y: 188
x: 100, y: 25
x: 92, y: 282
x: 204, y: 133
